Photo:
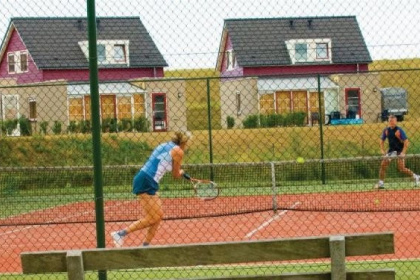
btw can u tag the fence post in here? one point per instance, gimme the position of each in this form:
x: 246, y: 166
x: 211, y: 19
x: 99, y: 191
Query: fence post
x: 75, y: 269
x: 96, y: 130
x: 273, y: 186
x: 338, y: 257
x: 321, y: 130
x: 209, y: 126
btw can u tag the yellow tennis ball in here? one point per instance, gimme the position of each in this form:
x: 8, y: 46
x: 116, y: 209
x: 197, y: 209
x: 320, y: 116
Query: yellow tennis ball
x: 376, y: 201
x: 300, y: 160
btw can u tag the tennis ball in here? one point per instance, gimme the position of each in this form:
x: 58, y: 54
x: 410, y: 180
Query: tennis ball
x: 376, y: 201
x: 300, y: 160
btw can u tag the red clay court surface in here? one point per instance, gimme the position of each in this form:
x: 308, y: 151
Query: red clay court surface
x: 15, y: 239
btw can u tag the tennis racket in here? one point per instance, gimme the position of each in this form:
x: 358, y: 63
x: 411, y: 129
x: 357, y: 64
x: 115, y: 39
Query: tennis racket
x: 203, y: 189
x: 391, y: 155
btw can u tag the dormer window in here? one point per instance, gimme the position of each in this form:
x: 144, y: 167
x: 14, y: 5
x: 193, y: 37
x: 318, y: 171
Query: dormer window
x: 119, y: 53
x: 101, y: 53
x: 110, y: 52
x: 17, y: 62
x: 321, y: 50
x: 230, y: 60
x: 301, y: 52
x: 309, y: 50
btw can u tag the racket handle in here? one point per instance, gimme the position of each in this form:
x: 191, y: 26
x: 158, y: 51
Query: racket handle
x: 186, y: 176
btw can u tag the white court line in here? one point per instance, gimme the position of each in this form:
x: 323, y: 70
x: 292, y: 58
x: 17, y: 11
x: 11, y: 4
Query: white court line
x: 266, y: 223
x: 58, y: 220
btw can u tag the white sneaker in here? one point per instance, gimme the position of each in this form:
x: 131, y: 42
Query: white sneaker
x: 118, y: 239
x: 416, y: 180
x: 380, y: 186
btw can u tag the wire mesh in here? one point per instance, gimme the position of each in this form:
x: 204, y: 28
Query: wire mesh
x: 288, y: 103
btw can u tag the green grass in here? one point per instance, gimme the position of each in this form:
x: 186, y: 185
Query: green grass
x: 405, y: 270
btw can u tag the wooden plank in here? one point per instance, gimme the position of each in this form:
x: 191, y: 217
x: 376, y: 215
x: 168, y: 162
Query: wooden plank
x: 75, y: 269
x: 370, y: 244
x: 378, y: 274
x: 207, y: 254
x: 41, y: 262
x: 338, y: 258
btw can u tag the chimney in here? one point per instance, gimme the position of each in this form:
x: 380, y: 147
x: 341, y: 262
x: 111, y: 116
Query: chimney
x: 291, y: 23
x: 310, y: 23
x: 80, y: 25
x: 98, y: 24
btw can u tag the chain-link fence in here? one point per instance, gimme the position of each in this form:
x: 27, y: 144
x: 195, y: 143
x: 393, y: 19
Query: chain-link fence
x: 295, y: 109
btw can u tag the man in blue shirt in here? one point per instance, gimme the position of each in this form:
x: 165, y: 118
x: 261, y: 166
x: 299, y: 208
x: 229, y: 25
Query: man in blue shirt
x: 398, y: 145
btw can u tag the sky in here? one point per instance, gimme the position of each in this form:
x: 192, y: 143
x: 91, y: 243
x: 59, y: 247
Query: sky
x: 188, y: 32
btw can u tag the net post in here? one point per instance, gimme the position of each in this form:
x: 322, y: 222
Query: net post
x: 273, y: 186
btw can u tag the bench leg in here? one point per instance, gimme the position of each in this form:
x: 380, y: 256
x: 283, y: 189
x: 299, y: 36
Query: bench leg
x: 75, y: 270
x: 338, y: 258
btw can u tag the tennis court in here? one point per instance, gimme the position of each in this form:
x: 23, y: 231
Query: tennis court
x: 70, y: 226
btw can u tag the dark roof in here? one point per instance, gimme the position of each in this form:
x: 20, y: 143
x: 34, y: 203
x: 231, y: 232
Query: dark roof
x: 53, y: 42
x: 256, y: 41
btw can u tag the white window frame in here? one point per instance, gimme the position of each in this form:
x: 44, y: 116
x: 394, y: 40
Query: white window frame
x: 311, y: 50
x: 17, y: 56
x: 230, y: 60
x: 109, y: 51
x: 327, y: 53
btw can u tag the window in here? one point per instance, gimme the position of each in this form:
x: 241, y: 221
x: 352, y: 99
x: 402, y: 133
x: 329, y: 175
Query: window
x: 12, y: 63
x: 353, y: 103
x: 24, y: 62
x: 17, y: 62
x: 301, y: 52
x: 230, y: 60
x: 321, y: 50
x: 119, y: 53
x: 101, y: 53
x: 238, y: 103
x: 32, y: 109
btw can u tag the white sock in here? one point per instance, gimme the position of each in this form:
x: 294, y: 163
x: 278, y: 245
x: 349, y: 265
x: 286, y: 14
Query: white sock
x: 415, y: 176
x: 381, y: 182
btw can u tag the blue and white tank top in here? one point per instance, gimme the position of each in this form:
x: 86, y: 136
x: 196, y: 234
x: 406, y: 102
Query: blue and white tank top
x: 160, y: 161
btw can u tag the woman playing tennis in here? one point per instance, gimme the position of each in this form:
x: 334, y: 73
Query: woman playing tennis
x: 165, y: 157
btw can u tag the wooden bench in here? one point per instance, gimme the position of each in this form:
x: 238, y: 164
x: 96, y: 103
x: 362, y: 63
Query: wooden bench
x: 75, y: 263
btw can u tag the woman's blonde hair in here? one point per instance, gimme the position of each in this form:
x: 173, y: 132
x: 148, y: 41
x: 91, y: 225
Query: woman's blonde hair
x: 181, y: 137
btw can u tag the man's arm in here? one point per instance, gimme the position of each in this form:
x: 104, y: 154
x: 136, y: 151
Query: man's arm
x: 404, y: 150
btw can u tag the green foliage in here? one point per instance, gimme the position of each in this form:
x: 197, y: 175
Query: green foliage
x: 109, y: 125
x: 275, y: 120
x: 44, y: 127
x: 25, y: 126
x: 141, y: 124
x: 230, y: 122
x: 85, y: 126
x: 251, y: 121
x: 73, y: 127
x: 125, y: 125
x: 10, y: 125
x: 57, y: 127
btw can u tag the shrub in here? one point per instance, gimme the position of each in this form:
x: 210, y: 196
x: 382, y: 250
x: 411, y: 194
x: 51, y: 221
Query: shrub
x: 251, y: 121
x: 25, y: 126
x: 295, y: 119
x: 230, y: 122
x: 56, y: 127
x: 72, y: 128
x: 85, y: 126
x: 10, y: 125
x: 141, y: 124
x: 126, y: 125
x: 44, y: 127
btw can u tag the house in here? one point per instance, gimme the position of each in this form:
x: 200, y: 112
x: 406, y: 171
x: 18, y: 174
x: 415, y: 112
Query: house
x: 277, y: 65
x: 41, y: 50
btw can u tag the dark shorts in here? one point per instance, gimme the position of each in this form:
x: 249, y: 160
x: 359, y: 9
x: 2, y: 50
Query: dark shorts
x: 144, y: 183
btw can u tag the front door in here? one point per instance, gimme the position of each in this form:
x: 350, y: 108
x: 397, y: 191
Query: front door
x: 159, y: 112
x: 353, y: 103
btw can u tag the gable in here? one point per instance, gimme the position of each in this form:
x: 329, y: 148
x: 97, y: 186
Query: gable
x: 263, y: 42
x: 54, y: 42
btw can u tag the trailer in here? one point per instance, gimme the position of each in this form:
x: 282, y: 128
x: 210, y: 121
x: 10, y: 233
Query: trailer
x: 394, y: 101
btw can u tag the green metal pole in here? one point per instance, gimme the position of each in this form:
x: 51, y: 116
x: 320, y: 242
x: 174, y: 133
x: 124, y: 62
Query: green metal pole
x: 209, y: 126
x: 96, y: 130
x: 321, y: 130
